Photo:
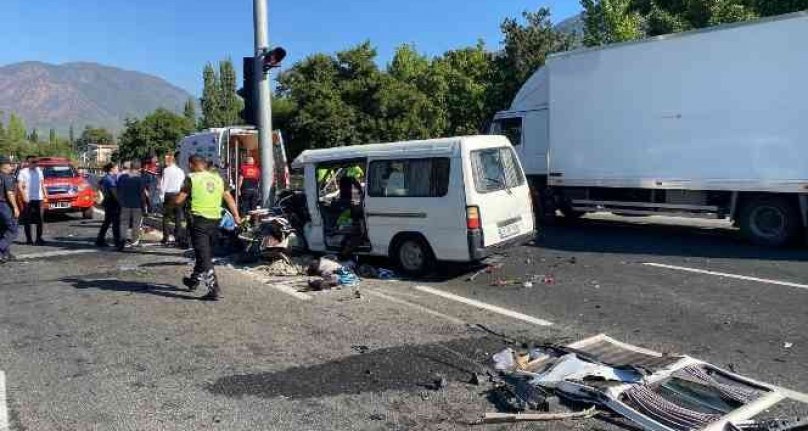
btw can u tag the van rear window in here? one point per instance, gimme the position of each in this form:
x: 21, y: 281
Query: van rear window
x: 496, y: 169
x: 421, y: 178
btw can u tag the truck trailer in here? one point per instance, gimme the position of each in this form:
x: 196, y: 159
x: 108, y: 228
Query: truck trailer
x: 710, y: 123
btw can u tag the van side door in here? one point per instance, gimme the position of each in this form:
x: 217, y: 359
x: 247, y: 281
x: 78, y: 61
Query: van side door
x: 417, y: 195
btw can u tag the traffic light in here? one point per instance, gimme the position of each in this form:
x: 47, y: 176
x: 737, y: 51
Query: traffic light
x: 272, y: 58
x: 248, y: 93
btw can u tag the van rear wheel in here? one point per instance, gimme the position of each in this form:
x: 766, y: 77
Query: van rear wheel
x: 413, y: 256
x: 770, y: 221
x: 87, y: 214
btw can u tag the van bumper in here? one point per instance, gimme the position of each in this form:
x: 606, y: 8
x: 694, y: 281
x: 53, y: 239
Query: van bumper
x: 478, y: 252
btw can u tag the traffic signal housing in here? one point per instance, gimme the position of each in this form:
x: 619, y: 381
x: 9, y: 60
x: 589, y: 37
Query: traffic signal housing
x: 249, y: 93
x: 272, y: 58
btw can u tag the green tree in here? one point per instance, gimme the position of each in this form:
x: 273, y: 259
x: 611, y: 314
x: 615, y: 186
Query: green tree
x: 16, y: 128
x: 52, y: 138
x: 189, y: 112
x: 157, y: 133
x: 211, y: 106
x: 231, y: 104
x: 526, y: 45
x: 71, y: 136
x: 93, y: 136
x: 610, y: 21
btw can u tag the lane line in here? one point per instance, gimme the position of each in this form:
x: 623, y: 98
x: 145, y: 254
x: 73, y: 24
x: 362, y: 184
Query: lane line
x: 485, y: 306
x: 58, y: 253
x: 727, y: 275
x: 279, y: 286
x: 421, y: 308
x: 3, y: 403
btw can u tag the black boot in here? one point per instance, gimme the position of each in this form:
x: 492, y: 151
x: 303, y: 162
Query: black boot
x: 192, y: 282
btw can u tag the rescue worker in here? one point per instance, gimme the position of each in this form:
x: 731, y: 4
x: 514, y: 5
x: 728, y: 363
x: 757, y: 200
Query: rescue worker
x: 206, y: 191
x: 248, y: 186
x: 9, y: 211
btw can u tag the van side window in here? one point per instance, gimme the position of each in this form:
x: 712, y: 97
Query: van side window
x: 496, y: 169
x: 511, y: 128
x: 421, y: 178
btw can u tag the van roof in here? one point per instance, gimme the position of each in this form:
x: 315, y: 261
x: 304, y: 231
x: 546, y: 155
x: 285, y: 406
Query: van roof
x: 430, y: 147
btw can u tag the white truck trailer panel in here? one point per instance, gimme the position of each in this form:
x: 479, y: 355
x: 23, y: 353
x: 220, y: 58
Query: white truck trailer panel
x: 723, y: 109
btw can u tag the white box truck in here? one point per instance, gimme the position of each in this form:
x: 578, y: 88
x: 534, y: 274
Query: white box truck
x: 709, y: 123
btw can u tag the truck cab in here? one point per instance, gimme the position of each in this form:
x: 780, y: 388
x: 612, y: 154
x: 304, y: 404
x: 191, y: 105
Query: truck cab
x: 67, y: 190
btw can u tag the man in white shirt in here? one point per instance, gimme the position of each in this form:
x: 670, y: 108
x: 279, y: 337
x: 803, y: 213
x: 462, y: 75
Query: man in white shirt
x: 31, y: 184
x: 170, y: 185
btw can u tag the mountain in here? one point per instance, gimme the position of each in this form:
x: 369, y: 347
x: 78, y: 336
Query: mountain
x: 574, y: 26
x: 47, y: 95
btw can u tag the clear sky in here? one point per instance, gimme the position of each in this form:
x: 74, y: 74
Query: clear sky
x: 174, y: 38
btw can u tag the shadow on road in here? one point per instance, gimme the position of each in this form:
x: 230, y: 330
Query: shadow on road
x: 163, y: 290
x: 410, y: 367
x: 614, y: 236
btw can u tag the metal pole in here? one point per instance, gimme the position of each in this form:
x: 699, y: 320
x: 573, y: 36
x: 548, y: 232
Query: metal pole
x: 264, y: 116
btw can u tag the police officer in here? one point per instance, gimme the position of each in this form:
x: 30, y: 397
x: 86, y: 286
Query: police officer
x: 9, y: 212
x: 206, y: 190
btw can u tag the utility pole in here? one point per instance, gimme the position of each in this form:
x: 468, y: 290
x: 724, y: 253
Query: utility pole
x: 264, y: 116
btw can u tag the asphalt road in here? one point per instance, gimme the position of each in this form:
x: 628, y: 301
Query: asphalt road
x: 104, y: 340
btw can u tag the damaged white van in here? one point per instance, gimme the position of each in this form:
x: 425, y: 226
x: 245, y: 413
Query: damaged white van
x: 418, y: 202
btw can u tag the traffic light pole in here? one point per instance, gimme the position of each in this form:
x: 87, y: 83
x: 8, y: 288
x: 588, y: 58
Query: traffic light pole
x: 264, y: 111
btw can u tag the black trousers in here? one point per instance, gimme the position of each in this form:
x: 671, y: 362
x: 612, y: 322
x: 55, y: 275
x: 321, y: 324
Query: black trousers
x: 176, y: 214
x: 112, y: 220
x: 203, y: 236
x: 249, y: 200
x: 33, y: 213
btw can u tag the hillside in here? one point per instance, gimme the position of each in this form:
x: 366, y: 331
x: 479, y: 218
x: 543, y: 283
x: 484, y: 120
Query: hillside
x: 47, y: 95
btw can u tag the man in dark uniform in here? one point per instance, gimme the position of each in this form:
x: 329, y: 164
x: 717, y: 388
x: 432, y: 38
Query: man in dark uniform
x: 206, y: 189
x: 9, y: 212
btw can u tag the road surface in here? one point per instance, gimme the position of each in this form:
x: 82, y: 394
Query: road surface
x: 95, y: 339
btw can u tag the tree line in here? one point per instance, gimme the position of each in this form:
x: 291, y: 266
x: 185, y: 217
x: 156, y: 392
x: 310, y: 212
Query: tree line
x: 346, y: 98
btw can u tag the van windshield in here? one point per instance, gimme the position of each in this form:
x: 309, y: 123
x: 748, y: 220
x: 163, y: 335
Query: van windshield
x: 496, y: 169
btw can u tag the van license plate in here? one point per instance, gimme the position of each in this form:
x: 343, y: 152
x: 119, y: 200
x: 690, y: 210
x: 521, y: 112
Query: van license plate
x: 509, y: 230
x: 60, y: 205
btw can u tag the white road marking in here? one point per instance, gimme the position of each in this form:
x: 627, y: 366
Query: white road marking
x: 57, y: 253
x: 484, y: 306
x: 3, y: 403
x: 727, y: 275
x: 281, y: 286
x: 421, y: 308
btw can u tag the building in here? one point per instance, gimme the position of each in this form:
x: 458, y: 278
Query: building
x: 98, y: 154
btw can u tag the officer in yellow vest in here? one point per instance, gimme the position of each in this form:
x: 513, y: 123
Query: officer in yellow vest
x: 207, y: 190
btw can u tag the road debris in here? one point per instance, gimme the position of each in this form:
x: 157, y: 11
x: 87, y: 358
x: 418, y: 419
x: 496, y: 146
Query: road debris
x: 656, y: 391
x: 490, y: 418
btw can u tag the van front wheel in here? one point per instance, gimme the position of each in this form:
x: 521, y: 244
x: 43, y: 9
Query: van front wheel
x: 413, y: 256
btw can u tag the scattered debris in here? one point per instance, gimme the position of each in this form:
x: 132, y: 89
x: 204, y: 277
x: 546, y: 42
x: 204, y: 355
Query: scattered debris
x: 361, y: 349
x: 527, y: 285
x: 439, y: 382
x: 490, y: 418
x: 377, y: 417
x: 788, y: 345
x: 656, y: 391
x: 477, y: 379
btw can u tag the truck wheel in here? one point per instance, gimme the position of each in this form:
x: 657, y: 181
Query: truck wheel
x: 87, y: 214
x: 413, y: 256
x: 770, y: 221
